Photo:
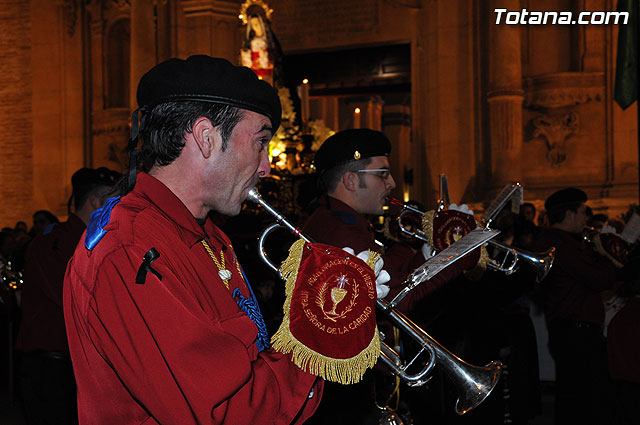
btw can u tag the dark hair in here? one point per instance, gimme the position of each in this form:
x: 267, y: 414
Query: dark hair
x: 528, y: 204
x: 330, y: 178
x: 556, y: 215
x: 100, y: 190
x: 524, y: 232
x: 166, y: 125
x: 87, y: 182
x: 51, y: 218
x: 561, y: 201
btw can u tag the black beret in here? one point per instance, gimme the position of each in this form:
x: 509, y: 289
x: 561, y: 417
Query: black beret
x: 206, y: 79
x: 351, y: 145
x: 565, y: 198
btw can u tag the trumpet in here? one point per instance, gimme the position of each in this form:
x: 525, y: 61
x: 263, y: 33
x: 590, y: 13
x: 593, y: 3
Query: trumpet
x: 508, y: 264
x: 608, y: 244
x: 474, y: 383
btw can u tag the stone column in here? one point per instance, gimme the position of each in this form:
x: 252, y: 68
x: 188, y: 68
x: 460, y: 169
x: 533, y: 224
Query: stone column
x: 143, y: 43
x: 374, y: 113
x: 330, y: 112
x: 165, y: 29
x: 396, y: 125
x: 505, y: 97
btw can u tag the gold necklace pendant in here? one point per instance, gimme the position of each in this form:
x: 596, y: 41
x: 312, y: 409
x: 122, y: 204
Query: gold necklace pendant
x: 223, y: 273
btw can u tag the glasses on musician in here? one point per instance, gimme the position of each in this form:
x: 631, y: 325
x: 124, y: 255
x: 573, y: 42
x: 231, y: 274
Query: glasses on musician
x: 383, y: 173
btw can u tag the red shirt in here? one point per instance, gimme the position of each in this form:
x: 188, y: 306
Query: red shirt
x: 335, y: 223
x: 42, y: 324
x: 175, y: 350
x: 572, y: 288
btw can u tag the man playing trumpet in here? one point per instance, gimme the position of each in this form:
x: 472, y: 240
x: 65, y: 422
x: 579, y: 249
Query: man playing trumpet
x: 354, y: 176
x: 574, y: 312
x: 162, y: 326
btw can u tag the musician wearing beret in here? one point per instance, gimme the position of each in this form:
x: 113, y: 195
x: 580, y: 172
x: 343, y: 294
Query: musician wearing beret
x: 353, y: 172
x: 163, y: 326
x: 574, y: 312
x: 46, y: 376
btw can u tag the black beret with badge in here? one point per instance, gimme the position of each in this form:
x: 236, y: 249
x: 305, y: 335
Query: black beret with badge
x: 207, y: 79
x: 200, y: 78
x: 351, y: 145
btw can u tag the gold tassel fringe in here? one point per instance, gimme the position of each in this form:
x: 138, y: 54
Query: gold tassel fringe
x: 343, y: 371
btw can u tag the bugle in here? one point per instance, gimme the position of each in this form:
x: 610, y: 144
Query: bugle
x: 474, y: 383
x: 507, y: 263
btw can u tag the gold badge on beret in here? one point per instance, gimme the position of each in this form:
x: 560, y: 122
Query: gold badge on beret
x: 356, y: 155
x: 329, y: 322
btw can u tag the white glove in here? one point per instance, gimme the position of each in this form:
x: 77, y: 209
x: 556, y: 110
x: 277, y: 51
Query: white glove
x: 462, y: 208
x: 382, y: 276
x: 427, y: 251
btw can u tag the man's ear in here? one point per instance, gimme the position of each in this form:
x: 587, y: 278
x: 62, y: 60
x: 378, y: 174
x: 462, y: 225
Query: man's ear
x: 350, y: 180
x: 205, y: 134
x: 95, y: 201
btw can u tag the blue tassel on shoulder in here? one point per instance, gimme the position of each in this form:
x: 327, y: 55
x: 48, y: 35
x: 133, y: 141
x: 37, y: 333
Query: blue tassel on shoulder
x: 97, y: 222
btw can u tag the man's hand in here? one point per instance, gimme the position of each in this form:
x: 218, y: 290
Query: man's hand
x: 382, y: 276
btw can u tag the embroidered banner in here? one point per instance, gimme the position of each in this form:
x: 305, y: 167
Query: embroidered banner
x: 443, y: 228
x: 329, y: 313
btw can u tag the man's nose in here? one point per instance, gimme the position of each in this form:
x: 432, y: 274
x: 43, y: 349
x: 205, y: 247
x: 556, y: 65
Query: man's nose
x: 264, y: 169
x: 391, y: 182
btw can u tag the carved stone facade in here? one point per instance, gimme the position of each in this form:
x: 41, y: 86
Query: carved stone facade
x: 487, y: 104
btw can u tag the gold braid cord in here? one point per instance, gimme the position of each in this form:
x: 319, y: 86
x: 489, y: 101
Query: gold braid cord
x: 427, y: 225
x: 344, y: 371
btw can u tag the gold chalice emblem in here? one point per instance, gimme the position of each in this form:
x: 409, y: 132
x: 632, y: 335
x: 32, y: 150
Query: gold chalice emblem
x: 457, y: 233
x: 338, y: 293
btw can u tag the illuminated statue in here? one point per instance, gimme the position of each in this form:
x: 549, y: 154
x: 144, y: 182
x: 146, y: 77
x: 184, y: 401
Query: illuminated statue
x: 260, y: 50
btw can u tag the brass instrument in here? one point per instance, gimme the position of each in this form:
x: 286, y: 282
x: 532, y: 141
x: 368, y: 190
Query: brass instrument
x: 589, y: 233
x: 10, y: 280
x: 474, y: 383
x: 541, y: 262
x: 610, y: 245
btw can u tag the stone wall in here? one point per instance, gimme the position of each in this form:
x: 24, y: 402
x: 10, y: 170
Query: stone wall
x: 16, y: 170
x: 541, y: 113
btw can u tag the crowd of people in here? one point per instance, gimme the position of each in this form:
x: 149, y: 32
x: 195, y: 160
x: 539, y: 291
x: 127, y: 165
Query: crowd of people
x: 139, y: 308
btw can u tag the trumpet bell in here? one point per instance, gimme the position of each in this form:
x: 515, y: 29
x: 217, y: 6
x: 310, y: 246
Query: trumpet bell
x: 390, y: 418
x: 540, y: 261
x: 475, y: 384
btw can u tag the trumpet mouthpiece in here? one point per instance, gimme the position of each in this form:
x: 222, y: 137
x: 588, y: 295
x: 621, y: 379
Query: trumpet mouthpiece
x: 254, y: 195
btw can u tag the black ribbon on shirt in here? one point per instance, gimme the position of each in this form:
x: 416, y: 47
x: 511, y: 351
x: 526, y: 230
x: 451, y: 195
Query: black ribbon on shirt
x: 151, y: 256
